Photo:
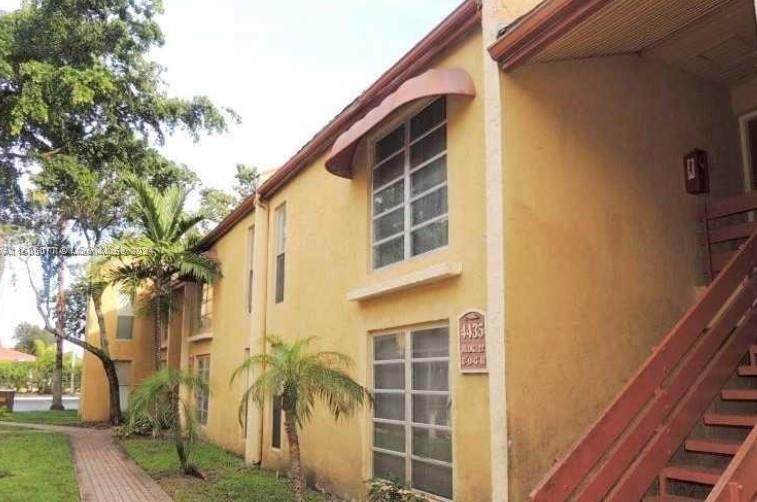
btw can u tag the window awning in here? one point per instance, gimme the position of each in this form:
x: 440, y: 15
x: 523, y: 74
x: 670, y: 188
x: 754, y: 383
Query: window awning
x: 434, y: 82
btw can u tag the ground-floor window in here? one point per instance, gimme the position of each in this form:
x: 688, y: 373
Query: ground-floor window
x: 202, y: 367
x: 276, y: 422
x: 412, y: 426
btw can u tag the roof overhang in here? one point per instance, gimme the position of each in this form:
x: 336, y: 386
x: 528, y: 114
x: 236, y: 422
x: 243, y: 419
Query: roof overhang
x: 434, y: 82
x: 714, y: 39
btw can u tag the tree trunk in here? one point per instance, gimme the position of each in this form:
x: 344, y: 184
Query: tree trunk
x: 60, y: 322
x: 296, y: 473
x: 116, y: 418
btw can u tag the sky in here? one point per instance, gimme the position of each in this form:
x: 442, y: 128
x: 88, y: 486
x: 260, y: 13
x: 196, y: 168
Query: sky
x: 285, y: 67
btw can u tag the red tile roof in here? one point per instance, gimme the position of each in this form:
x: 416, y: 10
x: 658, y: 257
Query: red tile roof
x: 15, y: 356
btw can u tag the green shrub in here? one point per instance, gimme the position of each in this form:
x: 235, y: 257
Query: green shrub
x: 385, y: 490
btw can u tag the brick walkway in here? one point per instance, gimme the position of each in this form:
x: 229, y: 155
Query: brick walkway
x: 103, y: 471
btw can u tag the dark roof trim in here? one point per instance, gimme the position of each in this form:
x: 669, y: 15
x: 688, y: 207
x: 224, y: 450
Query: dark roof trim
x: 540, y: 27
x: 446, y: 33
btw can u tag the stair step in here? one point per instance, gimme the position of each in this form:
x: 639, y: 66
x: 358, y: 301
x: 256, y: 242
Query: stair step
x: 692, y: 474
x: 730, y: 420
x: 739, y: 395
x: 714, y: 446
x: 747, y: 370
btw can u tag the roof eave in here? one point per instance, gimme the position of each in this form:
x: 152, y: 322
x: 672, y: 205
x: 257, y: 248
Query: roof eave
x: 538, y: 28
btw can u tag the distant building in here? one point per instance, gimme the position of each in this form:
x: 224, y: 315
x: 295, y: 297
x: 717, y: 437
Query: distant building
x: 15, y: 356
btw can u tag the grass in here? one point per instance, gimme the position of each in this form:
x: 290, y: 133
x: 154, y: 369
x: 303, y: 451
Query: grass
x: 36, y: 467
x: 50, y: 417
x: 228, y: 478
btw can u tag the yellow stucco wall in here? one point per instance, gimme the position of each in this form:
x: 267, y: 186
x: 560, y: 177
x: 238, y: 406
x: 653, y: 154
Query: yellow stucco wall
x: 231, y: 331
x: 94, y: 393
x: 601, y: 245
x: 328, y: 254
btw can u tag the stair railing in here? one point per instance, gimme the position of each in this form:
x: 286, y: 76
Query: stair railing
x: 622, y: 452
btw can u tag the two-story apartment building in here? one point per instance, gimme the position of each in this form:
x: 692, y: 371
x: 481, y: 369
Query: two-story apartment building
x: 532, y: 236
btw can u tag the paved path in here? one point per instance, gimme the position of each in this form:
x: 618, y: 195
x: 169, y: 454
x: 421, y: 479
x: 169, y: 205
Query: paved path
x: 103, y: 471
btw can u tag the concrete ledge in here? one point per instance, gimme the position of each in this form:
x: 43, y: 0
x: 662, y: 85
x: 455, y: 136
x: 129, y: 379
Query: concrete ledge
x: 200, y: 337
x: 413, y: 279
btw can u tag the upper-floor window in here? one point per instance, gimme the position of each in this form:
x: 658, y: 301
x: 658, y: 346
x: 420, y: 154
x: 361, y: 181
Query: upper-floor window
x: 281, y: 242
x: 250, y: 267
x: 125, y: 323
x: 203, y: 307
x: 410, y: 187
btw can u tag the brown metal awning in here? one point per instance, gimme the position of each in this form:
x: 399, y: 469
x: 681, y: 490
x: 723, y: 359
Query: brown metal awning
x: 435, y: 82
x: 715, y: 39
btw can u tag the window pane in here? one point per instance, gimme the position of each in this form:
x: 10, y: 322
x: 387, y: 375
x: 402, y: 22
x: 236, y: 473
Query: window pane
x: 389, y: 224
x: 280, y: 275
x: 432, y: 443
x: 430, y: 206
x: 388, y: 347
x: 431, y: 342
x: 428, y: 176
x: 431, y: 478
x: 430, y: 237
x: 431, y: 410
x: 124, y: 327
x: 276, y: 423
x: 389, y: 170
x: 430, y: 376
x: 389, y: 252
x: 431, y: 145
x: 389, y: 376
x: 390, y: 143
x: 389, y: 437
x: 432, y: 115
x: 389, y: 406
x: 388, y: 466
x: 389, y: 197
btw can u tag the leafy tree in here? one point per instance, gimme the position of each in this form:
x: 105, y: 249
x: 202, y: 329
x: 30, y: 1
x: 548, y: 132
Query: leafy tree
x: 247, y: 180
x: 300, y: 377
x: 26, y: 334
x: 165, y: 233
x: 44, y: 366
x: 163, y: 388
x: 81, y: 105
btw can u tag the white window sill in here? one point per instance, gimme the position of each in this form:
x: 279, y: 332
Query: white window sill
x: 428, y: 275
x: 200, y: 337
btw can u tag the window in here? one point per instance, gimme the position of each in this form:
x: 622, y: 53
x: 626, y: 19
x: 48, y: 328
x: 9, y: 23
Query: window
x: 251, y: 262
x: 202, y: 368
x: 276, y: 423
x: 204, y: 307
x: 281, y: 241
x: 123, y: 372
x: 410, y: 188
x: 125, y: 322
x: 247, y: 384
x: 412, y: 428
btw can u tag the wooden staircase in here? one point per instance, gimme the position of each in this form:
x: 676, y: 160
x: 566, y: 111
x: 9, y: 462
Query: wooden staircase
x: 684, y: 427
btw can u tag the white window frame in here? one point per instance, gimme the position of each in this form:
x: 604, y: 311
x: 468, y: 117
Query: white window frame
x: 408, y: 200
x: 280, y: 250
x: 125, y: 310
x: 746, y: 154
x: 205, y: 307
x: 199, y: 412
x: 408, y: 392
x: 250, y: 268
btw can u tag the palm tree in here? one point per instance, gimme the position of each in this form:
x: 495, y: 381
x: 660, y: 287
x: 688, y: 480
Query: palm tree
x: 163, y: 388
x: 165, y: 252
x: 299, y: 377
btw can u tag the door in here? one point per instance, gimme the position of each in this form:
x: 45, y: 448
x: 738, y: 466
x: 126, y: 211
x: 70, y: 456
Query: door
x: 123, y: 370
x: 748, y: 124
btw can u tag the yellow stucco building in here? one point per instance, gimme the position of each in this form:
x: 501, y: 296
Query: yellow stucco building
x: 523, y: 164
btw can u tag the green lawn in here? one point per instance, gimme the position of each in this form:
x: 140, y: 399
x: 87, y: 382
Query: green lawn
x: 66, y: 417
x: 228, y: 477
x: 36, y: 466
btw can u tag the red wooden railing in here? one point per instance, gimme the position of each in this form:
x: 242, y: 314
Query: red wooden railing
x: 739, y: 481
x: 723, y: 235
x: 623, y: 451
